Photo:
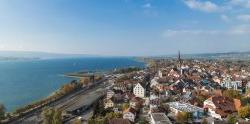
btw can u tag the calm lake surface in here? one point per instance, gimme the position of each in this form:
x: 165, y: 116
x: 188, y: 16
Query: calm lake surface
x: 22, y: 82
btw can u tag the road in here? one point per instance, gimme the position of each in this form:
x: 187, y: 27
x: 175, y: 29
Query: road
x: 79, y: 99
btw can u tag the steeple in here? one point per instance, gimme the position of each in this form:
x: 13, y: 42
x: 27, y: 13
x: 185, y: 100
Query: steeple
x: 179, y: 56
x: 179, y: 59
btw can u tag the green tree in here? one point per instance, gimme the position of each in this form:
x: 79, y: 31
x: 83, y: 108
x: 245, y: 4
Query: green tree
x: 143, y: 121
x: 2, y: 112
x: 231, y: 119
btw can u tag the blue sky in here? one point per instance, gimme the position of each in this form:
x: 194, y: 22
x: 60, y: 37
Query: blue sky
x: 125, y: 27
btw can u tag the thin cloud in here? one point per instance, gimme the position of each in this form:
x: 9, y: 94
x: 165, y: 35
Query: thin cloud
x: 237, y: 30
x: 147, y: 5
x: 240, y: 3
x: 244, y: 17
x: 206, y: 6
x: 225, y: 18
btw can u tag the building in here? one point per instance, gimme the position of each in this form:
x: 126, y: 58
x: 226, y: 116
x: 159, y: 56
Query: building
x: 235, y: 85
x: 220, y: 106
x: 129, y: 114
x: 136, y: 102
x: 139, y: 90
x: 110, y: 94
x: 159, y: 118
x: 108, y: 103
x: 162, y: 73
x: 177, y: 107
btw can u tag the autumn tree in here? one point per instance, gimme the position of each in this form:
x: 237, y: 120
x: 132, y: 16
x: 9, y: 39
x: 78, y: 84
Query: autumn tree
x: 125, y: 106
x: 232, y: 94
x: 112, y: 115
x: 182, y: 117
x: 204, y: 121
x: 52, y: 116
x: 77, y: 121
x: 244, y: 112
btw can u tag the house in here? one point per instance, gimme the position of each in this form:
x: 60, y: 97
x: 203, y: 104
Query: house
x: 108, y: 103
x: 177, y: 107
x: 220, y: 106
x: 136, y: 102
x: 235, y: 85
x: 110, y: 94
x: 128, y: 96
x: 248, y: 85
x: 154, y: 82
x: 159, y: 118
x: 129, y: 114
x: 139, y: 90
x: 162, y: 73
x: 119, y: 121
x: 154, y: 100
x: 120, y: 86
x: 174, y: 72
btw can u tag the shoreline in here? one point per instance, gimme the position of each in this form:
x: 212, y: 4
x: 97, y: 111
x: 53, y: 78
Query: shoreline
x: 12, y: 107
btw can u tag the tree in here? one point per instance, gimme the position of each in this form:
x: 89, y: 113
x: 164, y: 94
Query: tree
x: 232, y: 94
x: 112, y: 115
x: 57, y: 117
x: 143, y: 121
x: 47, y: 115
x: 125, y: 106
x: 204, y: 121
x: 77, y: 121
x: 244, y: 112
x: 52, y: 116
x: 231, y: 119
x: 182, y: 117
x: 2, y: 112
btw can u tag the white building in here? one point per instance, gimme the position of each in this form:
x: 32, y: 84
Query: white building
x: 248, y: 85
x: 129, y: 114
x: 229, y: 84
x: 211, y: 109
x: 159, y: 118
x: 176, y: 107
x: 108, y: 103
x: 139, y: 91
x: 110, y: 94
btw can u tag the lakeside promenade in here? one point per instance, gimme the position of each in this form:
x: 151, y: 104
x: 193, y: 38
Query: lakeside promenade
x: 81, y: 98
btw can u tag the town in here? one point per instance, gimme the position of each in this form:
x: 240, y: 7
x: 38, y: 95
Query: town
x: 165, y: 91
x: 171, y: 91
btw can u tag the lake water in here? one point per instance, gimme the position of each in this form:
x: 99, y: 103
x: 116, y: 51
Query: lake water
x: 22, y: 82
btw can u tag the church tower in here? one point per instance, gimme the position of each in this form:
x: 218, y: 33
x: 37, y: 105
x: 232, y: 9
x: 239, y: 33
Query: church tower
x: 179, y: 64
x: 179, y: 56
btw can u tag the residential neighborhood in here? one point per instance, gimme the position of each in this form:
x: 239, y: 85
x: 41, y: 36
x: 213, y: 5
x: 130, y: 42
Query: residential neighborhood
x: 177, y: 91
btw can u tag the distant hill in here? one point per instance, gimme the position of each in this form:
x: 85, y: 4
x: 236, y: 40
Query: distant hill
x: 226, y: 55
x: 14, y: 55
